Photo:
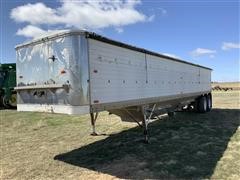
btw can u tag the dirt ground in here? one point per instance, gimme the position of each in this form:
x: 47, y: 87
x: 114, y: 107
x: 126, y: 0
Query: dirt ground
x: 189, y: 145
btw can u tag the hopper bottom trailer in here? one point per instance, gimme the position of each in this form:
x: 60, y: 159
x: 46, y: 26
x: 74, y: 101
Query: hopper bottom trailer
x: 79, y: 72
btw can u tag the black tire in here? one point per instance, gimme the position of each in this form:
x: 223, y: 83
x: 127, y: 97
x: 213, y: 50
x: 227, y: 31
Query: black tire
x: 1, y: 101
x: 202, y: 104
x: 171, y: 113
x: 209, y: 102
x: 5, y: 102
x: 195, y: 105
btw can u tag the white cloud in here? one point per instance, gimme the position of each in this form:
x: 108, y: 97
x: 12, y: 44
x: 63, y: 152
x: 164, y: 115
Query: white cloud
x: 34, y: 14
x: 171, y: 55
x: 119, y: 29
x: 203, y: 52
x: 34, y: 31
x: 230, y: 45
x: 30, y: 31
x: 85, y: 14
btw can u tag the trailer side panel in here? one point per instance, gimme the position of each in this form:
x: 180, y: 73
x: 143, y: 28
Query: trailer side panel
x: 118, y: 74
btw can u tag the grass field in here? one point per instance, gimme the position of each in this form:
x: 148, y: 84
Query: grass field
x: 189, y: 145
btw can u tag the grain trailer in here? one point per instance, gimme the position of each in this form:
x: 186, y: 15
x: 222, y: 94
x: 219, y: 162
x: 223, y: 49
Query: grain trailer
x: 79, y: 72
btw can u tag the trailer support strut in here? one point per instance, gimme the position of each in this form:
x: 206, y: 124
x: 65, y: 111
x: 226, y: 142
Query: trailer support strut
x: 93, y: 121
x: 145, y: 121
x: 145, y: 124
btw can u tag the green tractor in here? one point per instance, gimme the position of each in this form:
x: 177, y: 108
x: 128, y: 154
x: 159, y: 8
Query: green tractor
x: 8, y: 97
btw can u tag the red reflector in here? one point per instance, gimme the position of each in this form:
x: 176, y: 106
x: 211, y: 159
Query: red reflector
x: 96, y: 101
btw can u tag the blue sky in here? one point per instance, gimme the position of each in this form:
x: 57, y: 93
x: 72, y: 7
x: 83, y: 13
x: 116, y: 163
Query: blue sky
x: 202, y: 32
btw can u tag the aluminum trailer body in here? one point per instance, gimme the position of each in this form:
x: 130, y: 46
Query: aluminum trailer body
x: 79, y: 72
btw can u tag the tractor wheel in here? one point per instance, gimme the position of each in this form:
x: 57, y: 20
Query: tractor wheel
x: 5, y: 102
x: 11, y: 102
x: 1, y: 101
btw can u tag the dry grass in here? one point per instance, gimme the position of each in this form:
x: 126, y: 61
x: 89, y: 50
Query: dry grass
x: 50, y: 146
x: 228, y: 99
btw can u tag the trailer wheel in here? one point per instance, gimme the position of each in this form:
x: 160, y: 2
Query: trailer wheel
x: 202, y: 104
x: 209, y: 102
x: 171, y: 113
x: 195, y: 105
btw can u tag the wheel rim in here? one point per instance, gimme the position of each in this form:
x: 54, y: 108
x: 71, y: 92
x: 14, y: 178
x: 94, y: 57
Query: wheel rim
x: 13, y: 100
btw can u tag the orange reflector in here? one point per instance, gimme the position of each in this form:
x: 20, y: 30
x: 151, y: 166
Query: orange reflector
x: 63, y: 71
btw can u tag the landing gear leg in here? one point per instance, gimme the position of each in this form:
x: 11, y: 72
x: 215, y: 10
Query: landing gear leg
x: 93, y: 121
x: 145, y: 126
